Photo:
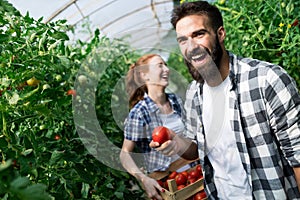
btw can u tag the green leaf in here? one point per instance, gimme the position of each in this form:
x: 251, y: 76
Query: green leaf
x: 60, y: 35
x: 32, y: 192
x: 119, y: 195
x: 27, y: 152
x: 56, y: 156
x: 5, y: 165
x: 19, y: 183
x: 64, y: 61
x: 85, y: 190
x: 4, y: 38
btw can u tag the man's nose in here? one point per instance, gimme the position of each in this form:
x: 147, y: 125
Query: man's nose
x: 191, y: 44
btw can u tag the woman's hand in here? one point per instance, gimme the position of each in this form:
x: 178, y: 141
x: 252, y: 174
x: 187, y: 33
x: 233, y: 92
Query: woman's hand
x: 152, y: 187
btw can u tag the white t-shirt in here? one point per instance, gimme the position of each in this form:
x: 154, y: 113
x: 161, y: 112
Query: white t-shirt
x: 229, y: 175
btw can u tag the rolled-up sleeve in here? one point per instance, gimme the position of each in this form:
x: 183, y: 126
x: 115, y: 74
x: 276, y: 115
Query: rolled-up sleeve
x: 283, y: 101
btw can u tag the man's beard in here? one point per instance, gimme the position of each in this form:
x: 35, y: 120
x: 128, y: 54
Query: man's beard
x: 216, y: 56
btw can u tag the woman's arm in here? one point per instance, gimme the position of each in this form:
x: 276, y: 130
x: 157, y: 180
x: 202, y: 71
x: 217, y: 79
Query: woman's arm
x: 150, y: 185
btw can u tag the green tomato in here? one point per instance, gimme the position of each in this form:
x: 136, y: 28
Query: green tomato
x: 58, y: 77
x: 82, y: 79
x: 42, y: 127
x: 46, y: 86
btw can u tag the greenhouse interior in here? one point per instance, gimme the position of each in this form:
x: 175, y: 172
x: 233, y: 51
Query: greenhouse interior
x: 66, y: 105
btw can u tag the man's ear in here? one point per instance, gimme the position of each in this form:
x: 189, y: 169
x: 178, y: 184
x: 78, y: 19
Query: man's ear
x: 221, y: 34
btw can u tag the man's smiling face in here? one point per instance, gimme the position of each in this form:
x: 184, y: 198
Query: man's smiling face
x: 198, y: 42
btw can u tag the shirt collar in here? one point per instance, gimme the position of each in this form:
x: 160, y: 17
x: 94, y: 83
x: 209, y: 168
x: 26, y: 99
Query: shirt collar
x: 154, y: 108
x: 233, y: 71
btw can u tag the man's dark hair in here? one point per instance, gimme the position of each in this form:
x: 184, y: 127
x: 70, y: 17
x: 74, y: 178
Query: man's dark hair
x: 198, y: 8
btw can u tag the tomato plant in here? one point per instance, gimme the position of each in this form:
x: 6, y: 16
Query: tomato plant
x: 42, y: 155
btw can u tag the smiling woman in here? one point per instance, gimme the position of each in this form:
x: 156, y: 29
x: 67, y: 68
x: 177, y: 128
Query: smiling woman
x: 151, y: 108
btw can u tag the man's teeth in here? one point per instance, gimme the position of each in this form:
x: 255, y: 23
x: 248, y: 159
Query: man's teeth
x: 197, y: 57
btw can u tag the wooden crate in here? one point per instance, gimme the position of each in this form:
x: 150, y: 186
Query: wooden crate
x: 184, y: 193
x: 174, y: 194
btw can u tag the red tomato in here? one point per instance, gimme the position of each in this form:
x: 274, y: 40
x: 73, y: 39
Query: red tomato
x: 161, y: 183
x: 200, y: 195
x: 185, y: 173
x: 191, y: 180
x: 57, y: 137
x: 165, y: 185
x: 161, y: 134
x: 194, y: 174
x: 199, y: 169
x: 295, y: 23
x: 179, y: 187
x: 71, y: 92
x: 173, y: 175
x: 180, y: 179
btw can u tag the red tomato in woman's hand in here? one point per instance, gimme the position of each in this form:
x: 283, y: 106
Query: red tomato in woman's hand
x: 161, y: 134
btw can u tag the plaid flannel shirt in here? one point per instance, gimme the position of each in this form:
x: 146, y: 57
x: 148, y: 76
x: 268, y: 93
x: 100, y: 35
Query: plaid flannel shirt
x: 266, y: 123
x: 139, y: 124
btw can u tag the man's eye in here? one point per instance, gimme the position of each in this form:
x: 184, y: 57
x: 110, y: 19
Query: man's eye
x: 198, y: 34
x: 181, y: 40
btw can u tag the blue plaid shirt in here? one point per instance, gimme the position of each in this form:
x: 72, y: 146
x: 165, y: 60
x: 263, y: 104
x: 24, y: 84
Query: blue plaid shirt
x: 266, y: 123
x: 139, y: 124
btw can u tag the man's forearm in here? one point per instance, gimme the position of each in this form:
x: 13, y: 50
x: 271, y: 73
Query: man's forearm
x: 297, y: 176
x: 187, y: 148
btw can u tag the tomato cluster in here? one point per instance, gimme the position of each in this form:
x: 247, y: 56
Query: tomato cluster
x: 184, y: 179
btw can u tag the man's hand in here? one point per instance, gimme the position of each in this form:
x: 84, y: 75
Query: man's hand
x: 181, y: 146
x: 169, y: 148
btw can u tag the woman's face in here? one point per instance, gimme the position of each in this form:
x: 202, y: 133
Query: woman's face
x: 158, y: 72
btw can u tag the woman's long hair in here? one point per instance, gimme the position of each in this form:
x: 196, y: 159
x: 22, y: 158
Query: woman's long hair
x: 135, y: 85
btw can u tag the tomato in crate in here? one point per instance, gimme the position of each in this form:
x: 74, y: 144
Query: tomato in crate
x: 181, y: 185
